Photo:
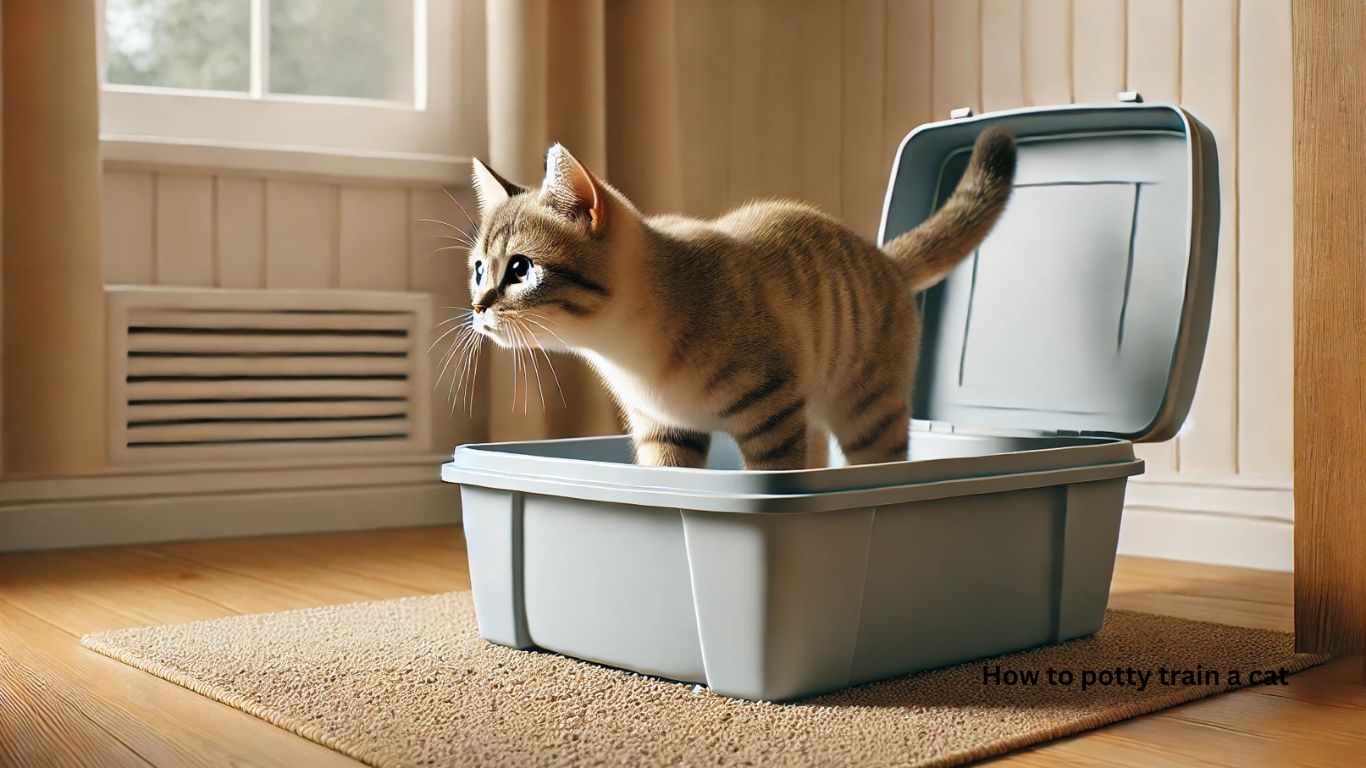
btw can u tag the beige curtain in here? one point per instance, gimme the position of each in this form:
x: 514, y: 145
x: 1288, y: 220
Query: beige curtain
x: 696, y: 106
x: 53, y: 298
x: 600, y: 77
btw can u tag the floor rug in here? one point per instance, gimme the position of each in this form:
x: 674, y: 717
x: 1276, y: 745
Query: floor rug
x: 409, y: 682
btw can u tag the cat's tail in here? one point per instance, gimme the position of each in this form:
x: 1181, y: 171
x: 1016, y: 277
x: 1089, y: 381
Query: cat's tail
x: 930, y: 251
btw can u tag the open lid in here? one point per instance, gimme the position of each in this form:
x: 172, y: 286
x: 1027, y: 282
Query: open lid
x: 1086, y: 309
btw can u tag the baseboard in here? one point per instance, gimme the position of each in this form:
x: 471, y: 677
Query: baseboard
x: 85, y: 522
x: 1229, y: 496
x: 201, y: 479
x: 1202, y: 537
x: 1216, y: 520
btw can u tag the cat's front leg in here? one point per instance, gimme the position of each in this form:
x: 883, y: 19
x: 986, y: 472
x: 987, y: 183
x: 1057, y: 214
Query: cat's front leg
x: 658, y: 445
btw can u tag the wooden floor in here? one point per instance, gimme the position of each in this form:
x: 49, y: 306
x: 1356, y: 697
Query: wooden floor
x: 63, y: 705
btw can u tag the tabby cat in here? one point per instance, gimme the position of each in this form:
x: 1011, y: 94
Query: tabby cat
x: 774, y: 323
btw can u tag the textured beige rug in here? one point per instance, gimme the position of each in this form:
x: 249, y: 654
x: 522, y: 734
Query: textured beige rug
x: 409, y: 682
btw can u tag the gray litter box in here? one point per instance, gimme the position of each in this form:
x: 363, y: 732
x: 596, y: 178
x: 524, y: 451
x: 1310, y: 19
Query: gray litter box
x: 1078, y: 327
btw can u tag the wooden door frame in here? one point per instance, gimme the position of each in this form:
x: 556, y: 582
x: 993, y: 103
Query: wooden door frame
x: 1330, y: 324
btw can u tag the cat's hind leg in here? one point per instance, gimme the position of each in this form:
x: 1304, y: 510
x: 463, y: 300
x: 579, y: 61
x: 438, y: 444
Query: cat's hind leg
x: 875, y: 434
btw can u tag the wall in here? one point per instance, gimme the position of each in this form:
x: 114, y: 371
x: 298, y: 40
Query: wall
x: 177, y: 228
x: 811, y: 98
x: 171, y: 227
x: 228, y: 217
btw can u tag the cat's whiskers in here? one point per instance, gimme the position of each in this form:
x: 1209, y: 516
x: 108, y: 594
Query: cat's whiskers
x: 460, y: 247
x: 450, y: 390
x: 457, y: 345
x: 445, y: 359
x: 474, y: 380
x: 523, y: 332
x: 464, y: 387
x: 469, y: 321
x: 526, y: 380
x: 462, y: 237
x: 460, y: 357
x: 458, y: 375
x: 519, y: 345
x: 517, y: 360
x: 548, y: 362
x: 470, y: 343
x: 461, y: 207
x: 514, y: 359
x: 447, y: 224
x: 530, y: 317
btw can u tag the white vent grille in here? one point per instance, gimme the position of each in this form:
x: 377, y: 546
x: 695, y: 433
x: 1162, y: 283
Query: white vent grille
x: 215, y: 374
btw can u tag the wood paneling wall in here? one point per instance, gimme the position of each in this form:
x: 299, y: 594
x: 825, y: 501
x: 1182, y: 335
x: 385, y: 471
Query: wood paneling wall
x: 810, y: 99
x: 200, y: 229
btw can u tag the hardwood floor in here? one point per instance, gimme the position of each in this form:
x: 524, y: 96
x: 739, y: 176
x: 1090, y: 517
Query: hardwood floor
x: 63, y: 705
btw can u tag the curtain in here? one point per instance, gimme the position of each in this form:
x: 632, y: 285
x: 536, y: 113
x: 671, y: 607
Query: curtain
x: 599, y: 76
x: 694, y: 107
x: 53, y: 295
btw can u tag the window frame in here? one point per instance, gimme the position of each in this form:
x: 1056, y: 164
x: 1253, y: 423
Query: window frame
x: 146, y: 124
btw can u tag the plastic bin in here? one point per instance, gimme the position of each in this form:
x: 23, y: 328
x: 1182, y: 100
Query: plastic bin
x: 1077, y: 327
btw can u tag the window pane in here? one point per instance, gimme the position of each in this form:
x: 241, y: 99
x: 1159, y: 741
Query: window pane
x: 204, y: 44
x: 357, y: 48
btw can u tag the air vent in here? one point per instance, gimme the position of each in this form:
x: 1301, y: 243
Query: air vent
x: 217, y: 374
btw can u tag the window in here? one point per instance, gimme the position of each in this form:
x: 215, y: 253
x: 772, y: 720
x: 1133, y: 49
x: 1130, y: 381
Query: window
x: 361, y: 49
x: 339, y: 77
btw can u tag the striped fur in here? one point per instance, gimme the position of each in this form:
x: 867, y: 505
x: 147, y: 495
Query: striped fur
x: 774, y: 323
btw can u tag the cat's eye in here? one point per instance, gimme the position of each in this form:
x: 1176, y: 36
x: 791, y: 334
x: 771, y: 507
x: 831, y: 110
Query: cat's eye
x: 478, y: 272
x: 518, y: 267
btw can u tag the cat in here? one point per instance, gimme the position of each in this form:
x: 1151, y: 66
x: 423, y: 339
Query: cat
x: 774, y: 322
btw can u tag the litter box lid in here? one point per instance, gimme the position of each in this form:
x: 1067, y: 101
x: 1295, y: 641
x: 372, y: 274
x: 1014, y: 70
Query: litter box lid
x: 1087, y: 307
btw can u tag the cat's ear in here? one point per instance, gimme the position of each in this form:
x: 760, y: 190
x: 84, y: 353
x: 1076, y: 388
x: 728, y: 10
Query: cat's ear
x: 491, y: 189
x: 572, y: 191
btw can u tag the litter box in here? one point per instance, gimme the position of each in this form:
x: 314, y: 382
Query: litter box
x: 1077, y: 328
